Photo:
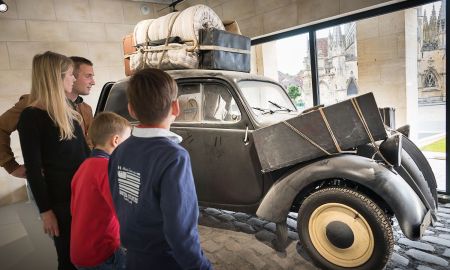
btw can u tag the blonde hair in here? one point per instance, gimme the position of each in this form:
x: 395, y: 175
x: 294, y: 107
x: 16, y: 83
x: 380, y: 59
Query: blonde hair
x: 47, y: 91
x: 106, y: 125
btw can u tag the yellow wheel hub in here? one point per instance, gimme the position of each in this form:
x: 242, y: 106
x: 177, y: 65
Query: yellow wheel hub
x: 360, y: 249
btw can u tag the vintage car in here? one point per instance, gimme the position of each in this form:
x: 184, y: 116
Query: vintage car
x: 345, y: 202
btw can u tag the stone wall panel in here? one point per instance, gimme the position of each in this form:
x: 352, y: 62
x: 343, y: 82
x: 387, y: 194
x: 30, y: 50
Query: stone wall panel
x: 81, y: 31
x: 13, y: 30
x: 47, y: 31
x: 31, y: 10
x: 75, y: 11
x: 21, y: 53
x: 106, y: 11
x: 4, y: 58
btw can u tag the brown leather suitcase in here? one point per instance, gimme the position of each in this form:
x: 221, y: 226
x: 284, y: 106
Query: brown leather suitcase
x: 128, y: 49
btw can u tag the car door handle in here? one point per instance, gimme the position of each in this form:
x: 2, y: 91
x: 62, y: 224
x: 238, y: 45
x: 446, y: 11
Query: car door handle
x: 246, y: 139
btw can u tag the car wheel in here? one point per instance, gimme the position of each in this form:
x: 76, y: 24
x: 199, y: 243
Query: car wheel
x: 341, y: 228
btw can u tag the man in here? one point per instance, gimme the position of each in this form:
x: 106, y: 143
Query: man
x: 84, y: 73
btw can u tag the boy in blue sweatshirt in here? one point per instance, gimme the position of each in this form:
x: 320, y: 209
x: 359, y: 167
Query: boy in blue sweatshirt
x: 152, y: 184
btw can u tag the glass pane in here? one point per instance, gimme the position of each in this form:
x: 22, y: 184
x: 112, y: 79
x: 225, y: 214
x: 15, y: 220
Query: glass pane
x: 265, y: 98
x: 219, y: 105
x: 337, y: 63
x: 401, y: 58
x: 189, y: 97
x: 287, y: 61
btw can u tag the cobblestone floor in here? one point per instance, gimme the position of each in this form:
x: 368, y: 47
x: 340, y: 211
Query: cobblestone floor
x: 241, y: 241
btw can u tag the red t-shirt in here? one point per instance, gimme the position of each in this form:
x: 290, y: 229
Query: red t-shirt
x: 95, y: 229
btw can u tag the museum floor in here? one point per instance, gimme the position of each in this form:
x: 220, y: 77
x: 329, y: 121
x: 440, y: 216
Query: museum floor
x: 230, y: 240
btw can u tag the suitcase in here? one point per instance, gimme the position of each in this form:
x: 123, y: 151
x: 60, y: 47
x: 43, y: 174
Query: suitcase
x: 223, y: 50
x: 321, y: 132
x: 128, y: 49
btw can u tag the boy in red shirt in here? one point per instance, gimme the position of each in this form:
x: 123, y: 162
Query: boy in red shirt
x: 95, y: 230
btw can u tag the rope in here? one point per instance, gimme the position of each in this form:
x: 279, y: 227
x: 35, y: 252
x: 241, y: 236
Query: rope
x: 306, y: 138
x: 366, y: 127
x: 172, y: 22
x: 338, y: 148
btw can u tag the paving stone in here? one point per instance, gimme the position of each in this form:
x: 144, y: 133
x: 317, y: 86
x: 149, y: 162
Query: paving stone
x: 438, y: 224
x: 225, y: 256
x: 232, y: 246
x: 443, y: 215
x: 444, y: 210
x: 226, y: 217
x: 446, y: 253
x: 437, y: 240
x: 292, y: 223
x: 445, y: 236
x: 265, y: 236
x: 396, y: 248
x: 252, y: 258
x: 241, y: 216
x: 428, y: 232
x: 416, y: 244
x: 442, y: 229
x: 399, y: 259
x: 244, y: 227
x: 270, y: 226
x: 256, y: 222
x: 445, y: 205
x: 261, y: 248
x: 423, y: 267
x: 213, y: 211
x: 293, y: 235
x: 293, y: 215
x: 210, y: 246
x: 426, y: 257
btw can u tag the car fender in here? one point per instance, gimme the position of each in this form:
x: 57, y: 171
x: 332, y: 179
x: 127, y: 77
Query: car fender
x: 411, y: 213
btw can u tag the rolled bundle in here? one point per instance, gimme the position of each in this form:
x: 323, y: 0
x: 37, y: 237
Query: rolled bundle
x: 177, y: 56
x: 159, y: 29
x: 141, y: 30
x: 194, y: 18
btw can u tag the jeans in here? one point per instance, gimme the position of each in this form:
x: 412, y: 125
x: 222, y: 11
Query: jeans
x: 115, y: 262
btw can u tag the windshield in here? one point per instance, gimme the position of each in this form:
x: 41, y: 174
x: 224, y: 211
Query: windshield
x: 266, y: 98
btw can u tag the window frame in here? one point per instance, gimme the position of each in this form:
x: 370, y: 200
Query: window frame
x: 312, y: 28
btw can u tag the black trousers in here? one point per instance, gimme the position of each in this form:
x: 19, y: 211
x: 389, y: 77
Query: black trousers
x: 62, y: 242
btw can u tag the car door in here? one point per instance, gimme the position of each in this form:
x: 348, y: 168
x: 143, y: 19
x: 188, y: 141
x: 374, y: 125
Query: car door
x: 215, y: 131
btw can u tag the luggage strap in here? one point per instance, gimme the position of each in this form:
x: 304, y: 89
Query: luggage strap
x: 306, y: 138
x: 322, y: 113
x: 172, y: 22
x: 366, y: 127
x: 200, y: 47
x: 221, y: 48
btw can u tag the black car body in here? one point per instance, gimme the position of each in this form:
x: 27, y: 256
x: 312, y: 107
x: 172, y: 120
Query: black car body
x: 219, y: 112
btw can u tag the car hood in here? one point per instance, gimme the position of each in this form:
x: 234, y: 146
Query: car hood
x: 275, y: 118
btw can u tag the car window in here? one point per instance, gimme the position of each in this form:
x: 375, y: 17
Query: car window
x: 118, y: 102
x: 207, y: 103
x: 266, y: 98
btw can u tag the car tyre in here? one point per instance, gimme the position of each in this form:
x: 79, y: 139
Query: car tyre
x: 341, y: 228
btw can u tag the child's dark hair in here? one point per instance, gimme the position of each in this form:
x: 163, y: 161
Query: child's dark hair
x: 151, y: 93
x: 106, y: 125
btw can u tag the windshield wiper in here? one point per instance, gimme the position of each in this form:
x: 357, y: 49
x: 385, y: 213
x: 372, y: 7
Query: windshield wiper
x: 279, y: 106
x: 263, y: 110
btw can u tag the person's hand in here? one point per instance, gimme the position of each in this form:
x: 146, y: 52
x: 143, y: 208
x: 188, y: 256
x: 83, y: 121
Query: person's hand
x: 50, y: 223
x: 20, y: 172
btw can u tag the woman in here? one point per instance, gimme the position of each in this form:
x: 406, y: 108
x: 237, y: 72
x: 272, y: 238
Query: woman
x: 53, y: 146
